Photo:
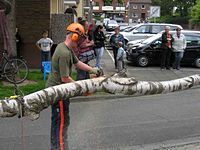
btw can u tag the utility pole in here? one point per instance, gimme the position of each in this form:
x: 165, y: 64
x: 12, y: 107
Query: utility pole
x: 127, y: 10
x: 91, y: 10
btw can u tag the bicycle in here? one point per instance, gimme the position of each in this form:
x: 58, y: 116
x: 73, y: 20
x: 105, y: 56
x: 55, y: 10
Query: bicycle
x: 15, y: 70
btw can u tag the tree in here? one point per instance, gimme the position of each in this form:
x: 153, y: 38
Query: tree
x: 184, y: 6
x: 195, y: 14
x: 32, y: 104
x: 166, y: 6
x: 107, y: 2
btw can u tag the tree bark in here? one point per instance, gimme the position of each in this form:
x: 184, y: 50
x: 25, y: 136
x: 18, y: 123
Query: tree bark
x: 34, y: 103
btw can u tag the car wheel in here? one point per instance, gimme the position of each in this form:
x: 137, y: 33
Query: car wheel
x: 143, y: 61
x: 197, y: 62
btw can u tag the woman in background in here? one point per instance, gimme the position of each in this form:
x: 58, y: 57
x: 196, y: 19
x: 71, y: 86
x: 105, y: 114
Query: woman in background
x: 99, y: 39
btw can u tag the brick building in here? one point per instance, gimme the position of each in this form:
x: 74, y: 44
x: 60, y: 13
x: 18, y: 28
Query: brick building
x: 139, y: 10
x: 32, y: 17
x: 35, y: 16
x: 130, y: 10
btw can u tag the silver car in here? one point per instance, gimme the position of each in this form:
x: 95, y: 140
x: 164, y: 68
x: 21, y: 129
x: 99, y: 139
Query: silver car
x: 146, y: 30
x: 111, y: 25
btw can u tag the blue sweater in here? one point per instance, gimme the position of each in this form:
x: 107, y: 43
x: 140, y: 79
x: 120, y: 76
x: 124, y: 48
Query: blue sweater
x: 114, y: 39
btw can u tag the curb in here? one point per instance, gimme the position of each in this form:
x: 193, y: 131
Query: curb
x: 181, y: 144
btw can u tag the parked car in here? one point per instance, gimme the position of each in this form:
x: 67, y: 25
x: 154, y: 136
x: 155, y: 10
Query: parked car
x: 148, y: 51
x: 105, y: 20
x: 111, y: 25
x: 146, y: 30
x: 122, y: 29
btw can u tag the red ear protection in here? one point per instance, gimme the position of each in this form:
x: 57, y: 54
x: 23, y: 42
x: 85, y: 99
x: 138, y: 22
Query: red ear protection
x: 77, y: 30
x: 74, y: 37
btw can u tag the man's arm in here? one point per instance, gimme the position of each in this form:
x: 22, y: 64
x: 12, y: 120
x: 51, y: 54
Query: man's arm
x: 38, y: 46
x: 83, y: 66
x: 67, y: 79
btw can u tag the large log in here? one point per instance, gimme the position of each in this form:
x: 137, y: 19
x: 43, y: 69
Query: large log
x: 36, y: 102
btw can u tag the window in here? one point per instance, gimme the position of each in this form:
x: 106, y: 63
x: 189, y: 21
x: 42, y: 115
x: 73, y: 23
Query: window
x: 96, y: 4
x: 143, y: 29
x: 134, y: 6
x: 142, y: 6
x: 192, y: 40
x: 157, y: 29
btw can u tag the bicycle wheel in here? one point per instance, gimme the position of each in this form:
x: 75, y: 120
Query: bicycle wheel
x: 16, y: 71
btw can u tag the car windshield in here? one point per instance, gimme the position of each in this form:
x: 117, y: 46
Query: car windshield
x: 151, y: 39
x: 112, y: 22
x: 124, y: 28
x: 129, y: 29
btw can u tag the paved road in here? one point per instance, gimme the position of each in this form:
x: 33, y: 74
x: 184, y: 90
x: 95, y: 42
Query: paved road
x: 117, y: 123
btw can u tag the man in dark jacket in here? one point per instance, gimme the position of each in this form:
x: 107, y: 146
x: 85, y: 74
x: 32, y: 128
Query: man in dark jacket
x: 116, y: 38
x: 167, y: 40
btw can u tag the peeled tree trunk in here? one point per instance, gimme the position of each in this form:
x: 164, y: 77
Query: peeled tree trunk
x: 34, y: 103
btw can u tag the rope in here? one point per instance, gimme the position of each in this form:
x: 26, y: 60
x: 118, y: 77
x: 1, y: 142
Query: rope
x: 18, y: 96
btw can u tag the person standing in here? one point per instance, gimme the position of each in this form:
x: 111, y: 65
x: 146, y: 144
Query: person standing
x: 167, y: 40
x: 99, y: 39
x: 18, y: 42
x: 44, y: 45
x: 91, y: 29
x: 179, y: 46
x: 62, y: 61
x: 84, y: 45
x: 120, y: 57
x: 114, y: 39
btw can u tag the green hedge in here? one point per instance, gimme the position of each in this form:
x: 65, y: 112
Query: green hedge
x: 172, y: 19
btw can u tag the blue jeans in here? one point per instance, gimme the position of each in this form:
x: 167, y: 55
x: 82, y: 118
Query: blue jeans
x: 60, y: 121
x: 45, y: 56
x: 99, y: 54
x: 120, y: 65
x: 177, y: 61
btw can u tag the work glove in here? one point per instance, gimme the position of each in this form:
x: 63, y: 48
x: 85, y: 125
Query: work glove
x: 94, y: 70
x: 97, y: 71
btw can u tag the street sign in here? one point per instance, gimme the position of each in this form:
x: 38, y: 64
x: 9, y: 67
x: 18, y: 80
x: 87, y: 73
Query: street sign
x: 154, y: 11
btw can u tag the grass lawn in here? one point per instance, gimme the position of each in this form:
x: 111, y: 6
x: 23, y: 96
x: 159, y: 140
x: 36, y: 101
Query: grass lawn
x: 34, y: 83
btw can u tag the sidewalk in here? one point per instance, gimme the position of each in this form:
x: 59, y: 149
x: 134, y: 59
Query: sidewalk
x: 152, y: 73
x: 147, y: 74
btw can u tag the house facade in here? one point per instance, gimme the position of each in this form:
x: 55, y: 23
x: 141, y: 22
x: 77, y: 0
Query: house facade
x: 139, y: 10
x: 128, y: 11
x: 32, y: 18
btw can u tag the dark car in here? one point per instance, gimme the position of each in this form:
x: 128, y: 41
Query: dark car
x: 148, y: 51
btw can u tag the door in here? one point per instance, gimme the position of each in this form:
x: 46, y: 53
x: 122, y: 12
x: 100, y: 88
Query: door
x: 193, y: 48
x: 142, y: 32
x: 155, y: 51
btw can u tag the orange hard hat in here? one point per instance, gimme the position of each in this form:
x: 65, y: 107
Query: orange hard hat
x: 76, y: 28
